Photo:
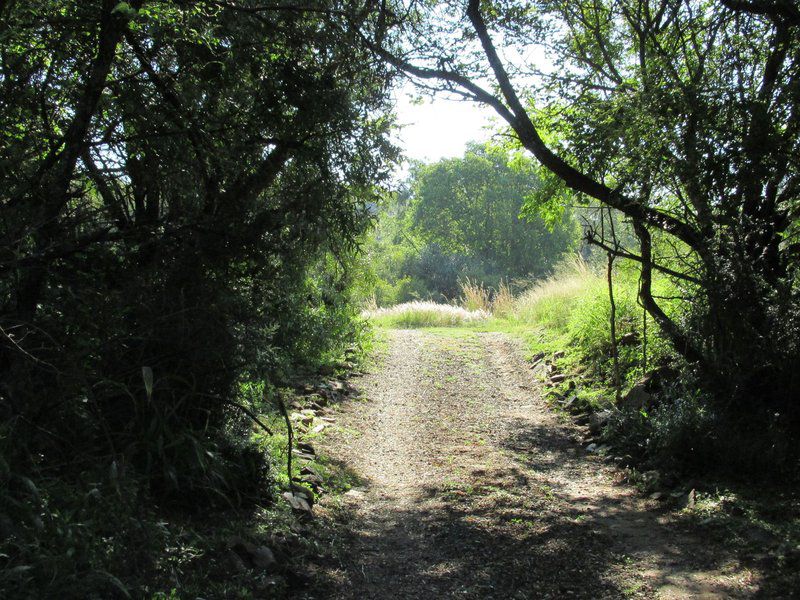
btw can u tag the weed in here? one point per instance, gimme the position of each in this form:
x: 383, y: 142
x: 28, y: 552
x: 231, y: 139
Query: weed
x: 503, y: 301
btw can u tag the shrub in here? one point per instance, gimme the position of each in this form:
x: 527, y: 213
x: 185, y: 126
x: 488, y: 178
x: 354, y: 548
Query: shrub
x: 676, y: 435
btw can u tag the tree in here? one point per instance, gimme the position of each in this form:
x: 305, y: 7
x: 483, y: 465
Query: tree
x: 464, y: 218
x: 472, y: 206
x: 681, y: 115
x: 172, y: 173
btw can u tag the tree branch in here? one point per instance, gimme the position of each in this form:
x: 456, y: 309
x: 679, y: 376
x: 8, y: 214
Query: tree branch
x: 592, y: 239
x: 519, y: 120
x: 679, y: 340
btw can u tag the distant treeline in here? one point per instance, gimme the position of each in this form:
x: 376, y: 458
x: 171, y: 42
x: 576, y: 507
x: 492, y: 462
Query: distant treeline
x: 473, y: 218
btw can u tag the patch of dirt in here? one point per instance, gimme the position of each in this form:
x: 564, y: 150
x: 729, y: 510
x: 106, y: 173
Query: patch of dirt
x: 474, y: 488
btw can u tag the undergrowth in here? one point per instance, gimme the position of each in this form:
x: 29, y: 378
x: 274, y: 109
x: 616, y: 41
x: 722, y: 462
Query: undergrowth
x: 112, y: 526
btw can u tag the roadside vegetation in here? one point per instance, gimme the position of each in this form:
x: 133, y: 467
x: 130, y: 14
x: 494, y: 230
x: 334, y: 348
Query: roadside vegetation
x: 578, y: 306
x: 198, y: 211
x: 426, y: 314
x: 564, y: 321
x: 183, y: 188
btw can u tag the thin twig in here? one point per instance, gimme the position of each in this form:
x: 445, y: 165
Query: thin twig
x: 244, y: 409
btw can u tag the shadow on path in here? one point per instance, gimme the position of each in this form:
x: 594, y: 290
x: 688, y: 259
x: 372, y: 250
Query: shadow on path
x: 471, y: 495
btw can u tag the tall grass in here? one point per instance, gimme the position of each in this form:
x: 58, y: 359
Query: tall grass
x: 571, y: 306
x: 574, y: 310
x: 503, y: 301
x: 551, y: 301
x: 425, y: 314
x: 474, y: 296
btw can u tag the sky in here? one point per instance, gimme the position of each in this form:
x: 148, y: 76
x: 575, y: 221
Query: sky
x: 438, y: 128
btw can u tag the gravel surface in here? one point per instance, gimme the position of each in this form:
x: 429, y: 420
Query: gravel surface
x: 474, y: 488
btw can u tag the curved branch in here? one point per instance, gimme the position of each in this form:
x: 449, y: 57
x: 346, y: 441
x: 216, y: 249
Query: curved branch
x: 573, y: 178
x: 679, y: 340
x: 591, y: 239
x: 477, y: 92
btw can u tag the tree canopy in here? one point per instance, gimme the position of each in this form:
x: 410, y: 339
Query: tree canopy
x: 183, y: 185
x: 474, y: 204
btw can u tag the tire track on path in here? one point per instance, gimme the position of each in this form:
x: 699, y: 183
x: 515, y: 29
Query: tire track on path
x: 474, y: 488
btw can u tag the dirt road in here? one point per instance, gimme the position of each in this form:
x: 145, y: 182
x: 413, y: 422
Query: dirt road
x: 474, y: 488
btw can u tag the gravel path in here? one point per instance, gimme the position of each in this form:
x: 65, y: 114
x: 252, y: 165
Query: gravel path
x: 475, y: 489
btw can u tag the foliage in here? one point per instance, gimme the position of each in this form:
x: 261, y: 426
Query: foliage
x: 682, y: 117
x: 183, y: 188
x: 471, y: 205
x: 572, y: 309
x: 460, y: 219
x: 679, y: 430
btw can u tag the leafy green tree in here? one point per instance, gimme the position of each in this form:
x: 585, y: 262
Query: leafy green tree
x: 182, y: 184
x: 461, y: 218
x: 472, y: 206
x: 182, y: 187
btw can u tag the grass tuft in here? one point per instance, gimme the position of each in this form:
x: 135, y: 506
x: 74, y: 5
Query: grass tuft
x: 425, y: 314
x: 503, y: 301
x: 551, y: 302
x: 475, y: 296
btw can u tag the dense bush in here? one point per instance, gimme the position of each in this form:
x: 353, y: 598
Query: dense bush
x: 183, y: 185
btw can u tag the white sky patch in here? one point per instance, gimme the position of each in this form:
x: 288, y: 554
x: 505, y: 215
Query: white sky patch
x: 439, y: 127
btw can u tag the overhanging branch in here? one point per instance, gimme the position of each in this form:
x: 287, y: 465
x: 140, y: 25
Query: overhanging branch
x: 516, y: 115
x: 593, y: 240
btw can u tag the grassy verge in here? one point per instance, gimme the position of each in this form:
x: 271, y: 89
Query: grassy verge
x: 426, y: 314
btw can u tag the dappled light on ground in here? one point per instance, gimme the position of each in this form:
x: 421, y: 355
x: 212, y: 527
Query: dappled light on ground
x: 474, y: 489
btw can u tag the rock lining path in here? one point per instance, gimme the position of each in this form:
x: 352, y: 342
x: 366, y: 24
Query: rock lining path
x: 474, y: 488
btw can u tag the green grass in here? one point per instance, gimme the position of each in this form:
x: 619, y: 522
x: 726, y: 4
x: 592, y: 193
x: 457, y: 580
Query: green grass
x: 551, y: 302
x: 425, y: 314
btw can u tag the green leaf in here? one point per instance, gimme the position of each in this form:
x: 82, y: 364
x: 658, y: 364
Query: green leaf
x: 125, y: 10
